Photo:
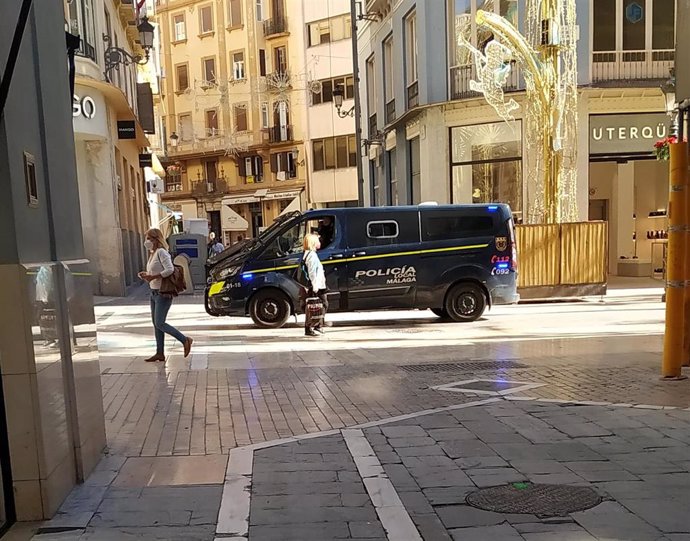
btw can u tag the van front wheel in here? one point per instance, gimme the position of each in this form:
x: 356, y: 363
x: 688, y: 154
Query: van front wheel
x: 465, y: 302
x: 269, y: 309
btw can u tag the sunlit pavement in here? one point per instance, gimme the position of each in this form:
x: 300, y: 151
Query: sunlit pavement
x: 169, y: 423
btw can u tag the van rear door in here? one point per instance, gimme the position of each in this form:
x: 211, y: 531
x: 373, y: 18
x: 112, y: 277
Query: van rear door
x: 382, y: 248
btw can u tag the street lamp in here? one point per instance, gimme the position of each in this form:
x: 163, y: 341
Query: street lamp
x: 668, y: 88
x: 115, y: 56
x: 338, y: 95
x: 174, y: 138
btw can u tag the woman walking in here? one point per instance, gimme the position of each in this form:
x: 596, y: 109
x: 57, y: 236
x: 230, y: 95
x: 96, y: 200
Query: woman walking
x: 316, y: 278
x: 160, y: 266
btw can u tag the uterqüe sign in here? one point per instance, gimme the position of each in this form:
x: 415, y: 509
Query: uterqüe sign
x: 627, y: 133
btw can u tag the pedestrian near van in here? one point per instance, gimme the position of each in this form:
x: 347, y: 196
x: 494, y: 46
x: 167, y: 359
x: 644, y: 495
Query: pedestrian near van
x: 160, y: 266
x: 316, y: 280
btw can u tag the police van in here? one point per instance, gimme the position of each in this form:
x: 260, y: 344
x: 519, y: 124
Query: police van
x: 453, y: 259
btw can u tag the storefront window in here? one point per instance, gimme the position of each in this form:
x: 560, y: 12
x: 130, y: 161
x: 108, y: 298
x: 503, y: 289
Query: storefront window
x: 486, y: 164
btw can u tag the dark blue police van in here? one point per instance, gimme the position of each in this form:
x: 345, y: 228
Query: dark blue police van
x: 453, y: 259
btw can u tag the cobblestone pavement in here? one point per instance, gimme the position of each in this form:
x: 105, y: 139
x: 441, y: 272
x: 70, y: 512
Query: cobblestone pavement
x: 244, y: 386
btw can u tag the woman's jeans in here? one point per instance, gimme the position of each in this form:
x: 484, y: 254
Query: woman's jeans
x: 160, y: 305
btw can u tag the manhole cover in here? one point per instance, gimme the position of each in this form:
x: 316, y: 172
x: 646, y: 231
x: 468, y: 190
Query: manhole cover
x: 534, y: 499
x: 461, y: 367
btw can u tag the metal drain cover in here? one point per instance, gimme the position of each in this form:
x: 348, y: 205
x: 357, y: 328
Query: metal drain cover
x: 534, y: 499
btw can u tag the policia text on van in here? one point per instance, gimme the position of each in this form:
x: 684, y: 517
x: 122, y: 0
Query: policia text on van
x: 455, y: 260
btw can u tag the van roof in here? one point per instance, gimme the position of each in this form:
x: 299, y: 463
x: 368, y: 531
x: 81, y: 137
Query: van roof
x: 425, y: 206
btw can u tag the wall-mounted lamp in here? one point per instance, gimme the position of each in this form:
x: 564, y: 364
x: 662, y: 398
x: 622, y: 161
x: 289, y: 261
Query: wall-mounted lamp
x: 116, y: 56
x: 295, y: 157
x: 374, y: 16
x: 338, y: 95
x: 376, y: 139
x: 174, y: 139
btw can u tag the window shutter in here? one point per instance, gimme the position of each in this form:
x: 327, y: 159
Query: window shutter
x: 274, y: 163
x: 262, y: 62
x: 291, y: 165
x: 258, y: 166
x: 242, y: 167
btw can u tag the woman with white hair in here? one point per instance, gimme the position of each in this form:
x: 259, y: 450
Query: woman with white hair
x: 160, y: 266
x: 317, y: 279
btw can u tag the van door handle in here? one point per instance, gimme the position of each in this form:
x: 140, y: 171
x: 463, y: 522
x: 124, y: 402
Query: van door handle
x: 360, y: 253
x: 337, y: 256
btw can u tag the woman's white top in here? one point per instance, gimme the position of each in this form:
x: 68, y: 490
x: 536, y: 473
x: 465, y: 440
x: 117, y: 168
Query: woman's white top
x: 161, y: 263
x: 315, y: 270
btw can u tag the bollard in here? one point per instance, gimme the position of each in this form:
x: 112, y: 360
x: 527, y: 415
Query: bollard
x: 674, y: 334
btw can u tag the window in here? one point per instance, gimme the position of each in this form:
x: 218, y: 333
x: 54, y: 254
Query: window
x: 335, y: 152
x: 240, y: 112
x: 411, y: 48
x: 328, y: 85
x: 486, y: 164
x: 265, y: 117
x: 30, y: 180
x: 283, y: 165
x: 259, y: 10
x: 392, y: 178
x: 252, y: 168
x: 234, y: 12
x: 182, y: 73
x: 179, y: 27
x: 206, y: 19
x: 663, y: 24
x: 212, y: 122
x: 371, y: 86
x: 280, y: 64
x: 262, y: 62
x: 238, y: 66
x: 415, y: 181
x: 634, y: 25
x: 382, y: 230
x: 185, y: 128
x: 388, y: 69
x: 328, y: 30
x: 81, y: 23
x: 108, y: 25
x: 604, y: 25
x: 209, y: 70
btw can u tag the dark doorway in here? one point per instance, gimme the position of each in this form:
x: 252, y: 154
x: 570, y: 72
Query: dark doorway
x: 214, y: 221
x: 257, y: 218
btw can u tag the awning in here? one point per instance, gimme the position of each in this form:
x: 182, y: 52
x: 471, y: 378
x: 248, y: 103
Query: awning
x: 294, y: 205
x: 231, y: 221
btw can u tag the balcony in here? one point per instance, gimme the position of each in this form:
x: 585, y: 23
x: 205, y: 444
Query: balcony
x: 210, y: 188
x: 373, y: 126
x: 613, y: 66
x: 390, y: 111
x: 279, y: 134
x: 275, y: 26
x: 413, y: 95
x: 460, y: 77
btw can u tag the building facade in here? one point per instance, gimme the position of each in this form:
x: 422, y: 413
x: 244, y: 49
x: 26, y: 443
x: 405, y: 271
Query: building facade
x: 111, y: 113
x: 434, y: 139
x: 331, y: 146
x: 232, y: 109
x: 52, y: 429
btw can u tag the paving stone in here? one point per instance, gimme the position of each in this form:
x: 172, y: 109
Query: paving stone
x: 498, y: 478
x: 552, y: 529
x: 280, y: 502
x: 439, y: 420
x: 300, y: 532
x: 306, y: 487
x: 644, y: 463
x: 388, y: 457
x: 502, y: 532
x: 571, y: 451
x: 348, y: 465
x: 367, y: 530
x: 278, y: 478
x: 403, y: 431
x: 451, y: 434
x: 488, y: 427
x: 520, y: 451
x: 311, y: 514
x: 397, y: 443
x: 118, y: 492
x: 612, y: 520
x: 355, y: 500
x: 464, y: 516
x: 541, y: 466
x: 400, y: 476
x: 466, y: 448
x: 501, y: 437
x: 607, y: 475
x: 144, y: 517
x: 575, y: 535
x: 421, y: 451
x: 156, y: 533
x: 415, y: 503
x: 579, y: 429
x: 428, y: 462
x: 376, y: 439
x: 430, y: 527
x: 556, y: 479
x: 448, y: 495
x: 669, y: 516
x: 475, y: 462
x: 440, y: 477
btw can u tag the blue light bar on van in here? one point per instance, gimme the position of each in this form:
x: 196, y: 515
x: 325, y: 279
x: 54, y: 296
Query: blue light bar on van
x: 493, y: 208
x: 502, y: 266
x: 247, y: 276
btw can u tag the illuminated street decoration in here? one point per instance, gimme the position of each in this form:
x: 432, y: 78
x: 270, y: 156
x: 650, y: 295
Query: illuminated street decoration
x: 547, y: 56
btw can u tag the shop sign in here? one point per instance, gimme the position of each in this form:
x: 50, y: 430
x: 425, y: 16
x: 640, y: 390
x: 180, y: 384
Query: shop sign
x: 126, y: 129
x: 88, y: 114
x: 145, y: 160
x: 283, y: 195
x: 627, y: 133
x: 85, y: 107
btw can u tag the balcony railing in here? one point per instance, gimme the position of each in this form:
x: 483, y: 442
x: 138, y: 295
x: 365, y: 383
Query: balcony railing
x: 413, y: 95
x: 173, y: 184
x: 86, y: 50
x: 460, y: 77
x: 390, y: 111
x: 210, y: 187
x: 276, y: 25
x: 279, y: 134
x: 609, y: 66
x: 373, y: 126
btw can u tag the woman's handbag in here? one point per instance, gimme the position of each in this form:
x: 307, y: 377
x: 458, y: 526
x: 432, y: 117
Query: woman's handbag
x: 174, y: 284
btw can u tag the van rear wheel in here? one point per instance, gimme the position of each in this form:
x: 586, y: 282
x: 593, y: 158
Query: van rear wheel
x: 465, y: 302
x: 269, y: 309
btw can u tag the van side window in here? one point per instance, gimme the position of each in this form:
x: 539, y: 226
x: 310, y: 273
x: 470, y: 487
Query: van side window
x: 382, y: 230
x: 447, y: 226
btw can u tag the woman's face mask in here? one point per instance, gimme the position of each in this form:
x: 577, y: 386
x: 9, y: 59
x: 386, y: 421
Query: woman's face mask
x: 148, y: 244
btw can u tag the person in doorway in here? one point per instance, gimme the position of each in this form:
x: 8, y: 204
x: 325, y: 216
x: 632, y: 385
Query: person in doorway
x: 160, y: 266
x: 216, y: 248
x: 315, y: 278
x: 209, y: 245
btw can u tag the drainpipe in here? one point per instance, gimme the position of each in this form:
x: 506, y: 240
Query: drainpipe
x: 358, y: 107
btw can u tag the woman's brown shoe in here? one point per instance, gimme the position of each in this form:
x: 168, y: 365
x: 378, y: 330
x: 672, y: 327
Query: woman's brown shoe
x: 187, y: 346
x: 156, y: 358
